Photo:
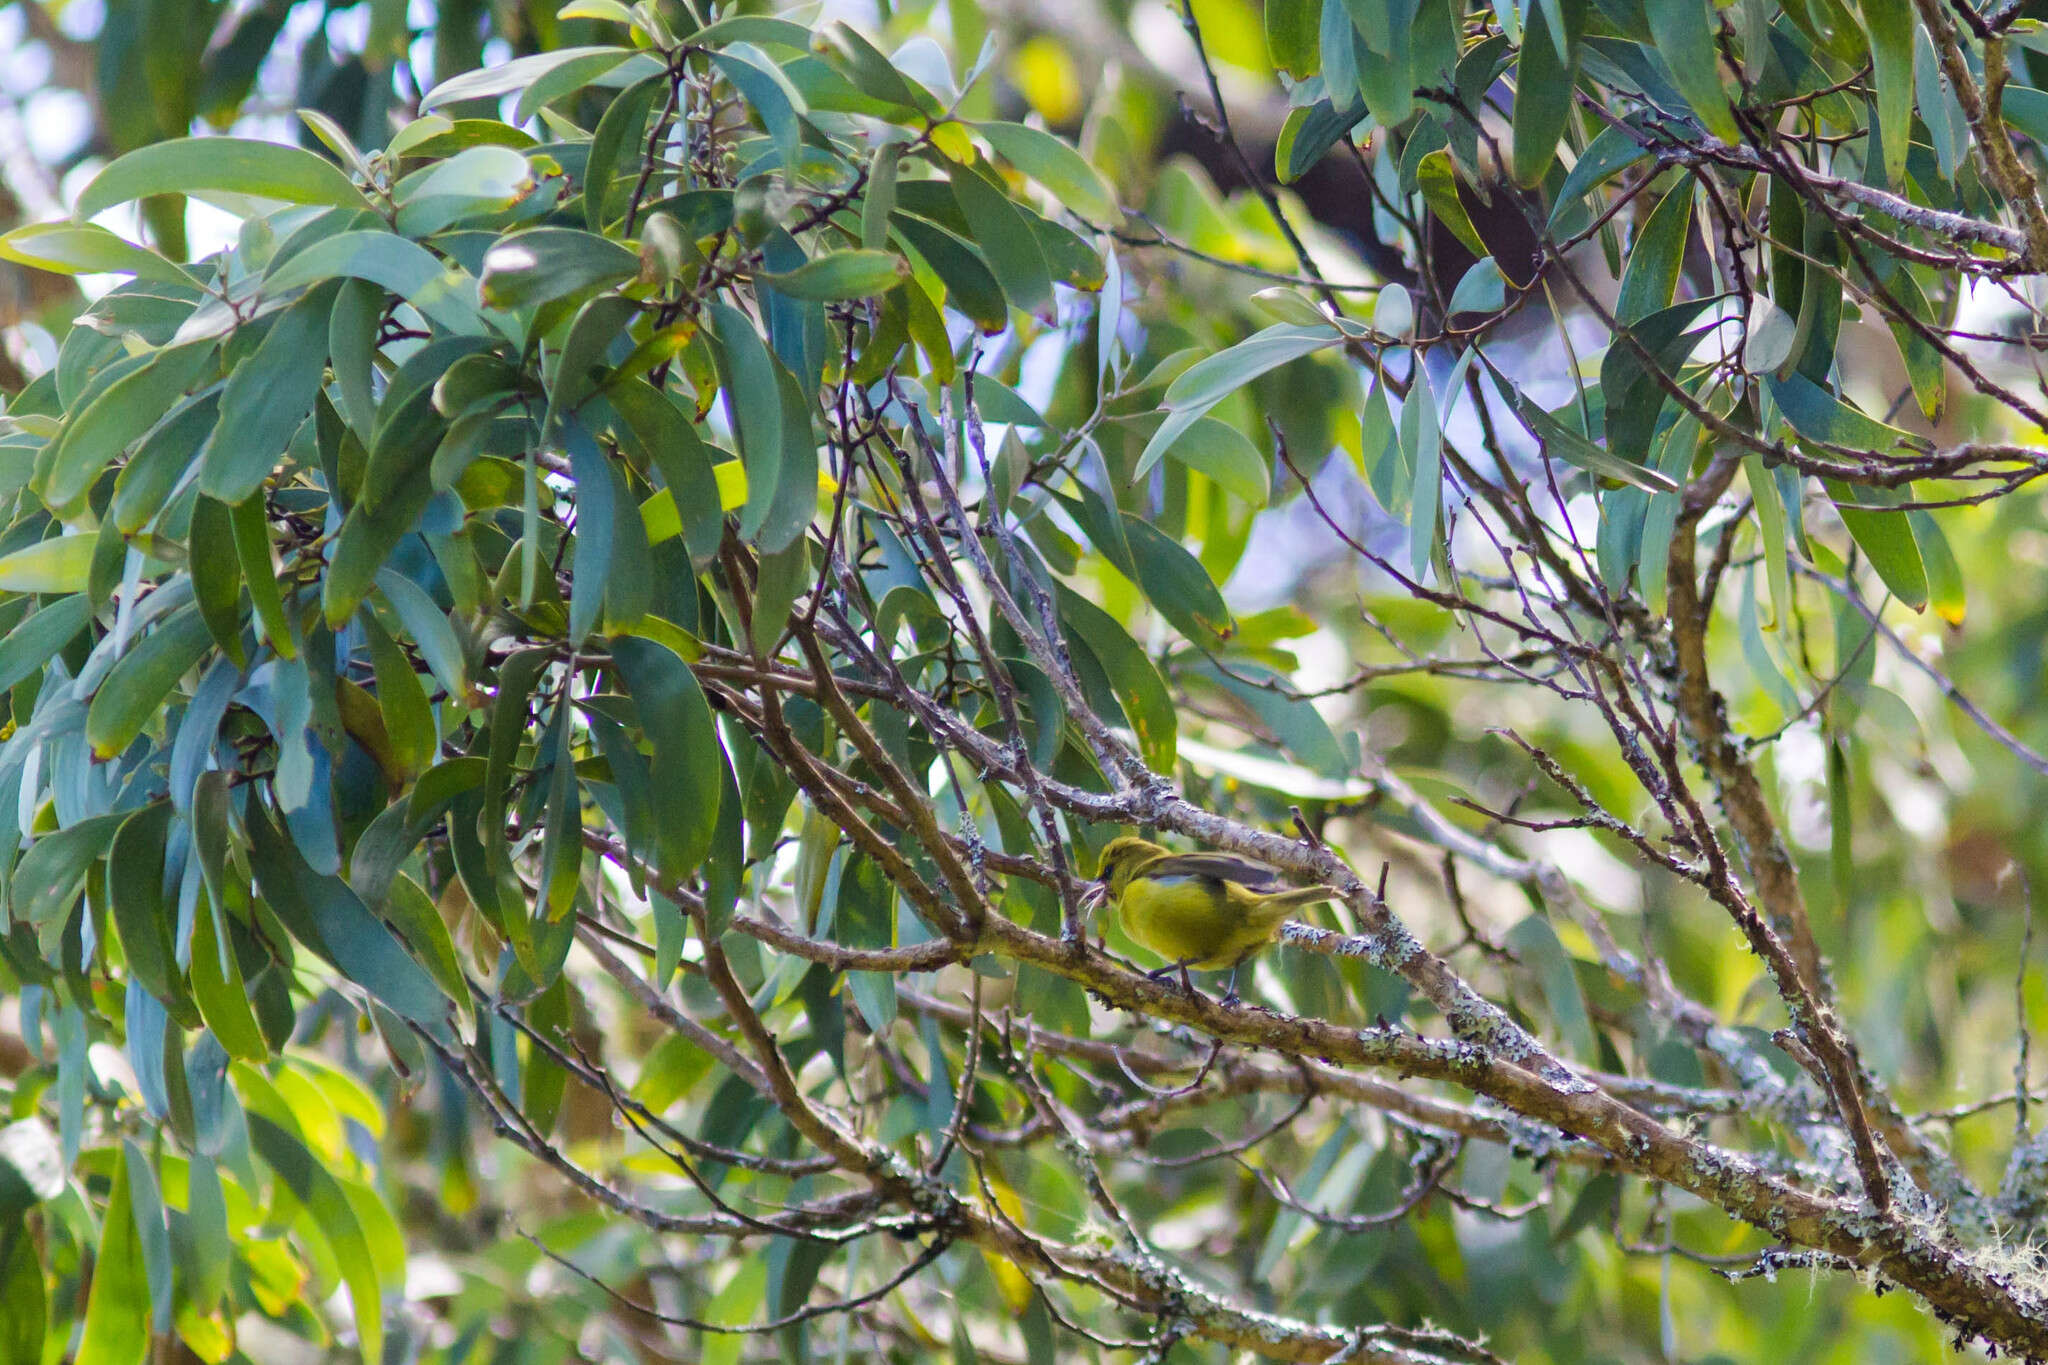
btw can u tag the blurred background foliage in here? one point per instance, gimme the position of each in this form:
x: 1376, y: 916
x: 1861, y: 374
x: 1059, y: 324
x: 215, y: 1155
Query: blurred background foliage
x: 1904, y: 816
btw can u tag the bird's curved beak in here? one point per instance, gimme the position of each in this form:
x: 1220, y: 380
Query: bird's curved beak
x: 1094, y: 896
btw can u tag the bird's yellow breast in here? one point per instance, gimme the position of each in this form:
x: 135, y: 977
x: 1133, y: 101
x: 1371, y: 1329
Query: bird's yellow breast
x: 1192, y: 920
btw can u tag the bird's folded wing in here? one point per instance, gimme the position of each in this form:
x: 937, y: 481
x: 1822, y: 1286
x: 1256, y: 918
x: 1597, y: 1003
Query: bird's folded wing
x: 1222, y: 867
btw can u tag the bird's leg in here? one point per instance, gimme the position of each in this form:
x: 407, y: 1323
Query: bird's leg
x: 1161, y: 973
x: 1230, y: 990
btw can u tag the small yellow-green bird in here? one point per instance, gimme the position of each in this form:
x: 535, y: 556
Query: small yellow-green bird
x: 1210, y: 911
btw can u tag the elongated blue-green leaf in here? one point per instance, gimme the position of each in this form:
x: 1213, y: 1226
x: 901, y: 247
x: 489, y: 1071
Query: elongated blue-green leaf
x: 50, y: 875
x: 1131, y: 675
x: 1684, y: 34
x: 124, y: 410
x: 329, y: 1215
x: 1887, y: 537
x: 1655, y: 257
x: 194, y: 165
x: 687, y: 757
x: 86, y: 249
x: 1005, y: 239
x: 133, y: 692
x: 40, y: 635
x: 1054, y: 163
x: 153, y: 1233
x: 1422, y: 443
x: 327, y: 916
x: 444, y: 293
x: 117, y: 1314
x: 147, y: 922
x: 1606, y: 156
x: 268, y: 396
x: 1212, y: 379
x: 503, y: 78
x: 1544, y: 78
x: 547, y: 263
x: 753, y: 398
x: 1890, y: 28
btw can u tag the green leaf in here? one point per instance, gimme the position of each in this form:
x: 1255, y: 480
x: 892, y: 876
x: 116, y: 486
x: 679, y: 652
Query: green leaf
x: 1544, y: 80
x: 1684, y: 34
x: 1005, y: 238
x: 122, y: 412
x: 1616, y: 149
x: 1216, y: 377
x: 1772, y: 531
x: 40, y: 635
x: 60, y: 564
x: 1213, y: 378
x: 418, y: 921
x: 352, y: 349
x: 1422, y: 443
x: 85, y: 249
x: 206, y: 1224
x: 1947, y: 128
x: 329, y: 1214
x: 408, y: 716
x: 870, y: 70
x: 1175, y: 582
x: 218, y: 989
x: 160, y: 459
x: 147, y: 922
x: 49, y: 877
x: 1944, y: 576
x: 670, y: 440
x: 1563, y: 443
x: 1222, y: 452
x: 1132, y: 677
x: 880, y: 200
x: 840, y: 275
x: 146, y: 1200
x: 1635, y: 400
x: 1064, y: 172
x: 442, y: 292
x: 546, y: 263
x: 1887, y: 537
x: 133, y: 692
x: 796, y: 481
x: 217, y: 578
x: 24, y: 1310
x: 752, y: 28
x: 195, y: 165
x: 611, y: 567
x: 1537, y: 945
x: 616, y: 147
x: 117, y: 1314
x: 753, y: 392
x: 1656, y: 255
x: 1292, y: 29
x: 326, y: 915
x: 1310, y: 132
x: 489, y: 82
x: 1818, y: 415
x: 1890, y: 29
x: 478, y: 180
x: 677, y: 722
x: 971, y: 286
x: 1437, y: 178
x: 250, y: 526
x: 1480, y: 290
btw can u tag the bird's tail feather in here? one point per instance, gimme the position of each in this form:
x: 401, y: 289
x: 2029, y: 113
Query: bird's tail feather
x: 1299, y: 897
